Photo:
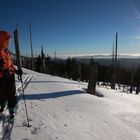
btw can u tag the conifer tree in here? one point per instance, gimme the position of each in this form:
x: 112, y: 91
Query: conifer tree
x: 42, y: 66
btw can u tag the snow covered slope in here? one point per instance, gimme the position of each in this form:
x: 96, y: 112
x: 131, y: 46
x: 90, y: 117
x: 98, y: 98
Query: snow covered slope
x: 59, y: 110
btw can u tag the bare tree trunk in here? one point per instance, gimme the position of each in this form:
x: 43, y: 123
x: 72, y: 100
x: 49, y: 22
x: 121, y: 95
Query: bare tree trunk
x: 137, y: 89
x: 18, y: 56
x: 92, y: 80
x: 114, y: 69
x: 32, y: 56
x: 132, y: 78
x: 113, y: 81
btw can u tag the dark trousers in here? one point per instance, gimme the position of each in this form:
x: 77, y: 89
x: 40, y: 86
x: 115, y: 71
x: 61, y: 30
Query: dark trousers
x: 8, y: 92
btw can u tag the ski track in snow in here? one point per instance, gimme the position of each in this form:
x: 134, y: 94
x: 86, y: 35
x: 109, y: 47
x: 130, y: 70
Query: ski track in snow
x: 59, y: 109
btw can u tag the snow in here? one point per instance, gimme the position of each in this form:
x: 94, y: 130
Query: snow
x: 59, y: 109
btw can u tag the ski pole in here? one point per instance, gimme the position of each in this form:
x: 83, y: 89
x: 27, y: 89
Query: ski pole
x: 20, y: 79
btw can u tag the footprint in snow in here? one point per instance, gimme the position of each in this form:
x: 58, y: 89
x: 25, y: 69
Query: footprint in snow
x: 35, y: 131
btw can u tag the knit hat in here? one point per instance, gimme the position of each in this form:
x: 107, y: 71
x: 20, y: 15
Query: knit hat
x: 4, y: 39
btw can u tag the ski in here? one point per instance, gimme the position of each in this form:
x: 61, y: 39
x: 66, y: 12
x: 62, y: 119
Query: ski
x: 1, y: 125
x: 7, y: 127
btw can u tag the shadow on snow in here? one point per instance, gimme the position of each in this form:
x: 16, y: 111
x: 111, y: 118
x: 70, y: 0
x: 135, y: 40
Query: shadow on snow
x: 52, y: 95
x: 55, y: 82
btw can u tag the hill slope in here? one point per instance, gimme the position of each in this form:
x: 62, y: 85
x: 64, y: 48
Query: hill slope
x: 59, y: 109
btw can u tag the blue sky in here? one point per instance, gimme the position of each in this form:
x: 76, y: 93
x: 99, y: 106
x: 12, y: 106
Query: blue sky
x: 73, y: 26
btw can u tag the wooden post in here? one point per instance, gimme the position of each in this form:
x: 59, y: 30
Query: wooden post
x: 19, y: 65
x: 18, y: 56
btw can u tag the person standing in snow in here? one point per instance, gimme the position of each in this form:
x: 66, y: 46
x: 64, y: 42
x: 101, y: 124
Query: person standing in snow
x: 7, y: 76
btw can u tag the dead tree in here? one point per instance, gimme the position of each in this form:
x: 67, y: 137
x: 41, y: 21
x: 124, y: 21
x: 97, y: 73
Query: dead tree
x: 137, y: 89
x: 114, y: 65
x: 92, y: 80
x: 32, y: 55
x: 132, y: 78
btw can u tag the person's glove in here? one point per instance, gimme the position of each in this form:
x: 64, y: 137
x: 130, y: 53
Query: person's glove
x: 19, y: 72
x: 2, y: 65
x: 2, y: 62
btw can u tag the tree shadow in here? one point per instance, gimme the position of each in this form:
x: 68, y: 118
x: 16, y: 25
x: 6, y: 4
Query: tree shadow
x: 55, y: 82
x: 52, y: 95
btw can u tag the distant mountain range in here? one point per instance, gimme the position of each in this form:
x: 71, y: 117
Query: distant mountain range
x: 109, y: 56
x: 126, y: 61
